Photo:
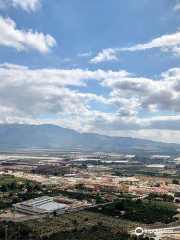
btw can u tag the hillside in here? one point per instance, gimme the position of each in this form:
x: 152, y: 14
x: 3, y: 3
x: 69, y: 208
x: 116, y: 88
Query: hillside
x: 52, y: 136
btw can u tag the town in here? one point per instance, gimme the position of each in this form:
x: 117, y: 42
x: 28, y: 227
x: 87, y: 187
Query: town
x: 96, y: 190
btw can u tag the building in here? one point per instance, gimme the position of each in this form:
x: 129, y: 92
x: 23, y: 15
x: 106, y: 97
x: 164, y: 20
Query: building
x: 72, y: 204
x: 39, y: 206
x: 51, y: 169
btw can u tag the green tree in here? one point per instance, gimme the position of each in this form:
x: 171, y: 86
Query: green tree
x: 75, y: 223
x: 13, y: 185
x: 175, y: 181
x: 4, y: 188
x: 80, y: 186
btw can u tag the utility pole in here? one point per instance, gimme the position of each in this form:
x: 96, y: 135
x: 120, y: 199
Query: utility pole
x: 6, y: 230
x: 13, y: 212
x: 14, y: 215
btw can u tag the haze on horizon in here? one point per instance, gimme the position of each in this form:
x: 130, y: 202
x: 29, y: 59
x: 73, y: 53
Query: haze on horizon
x: 108, y: 67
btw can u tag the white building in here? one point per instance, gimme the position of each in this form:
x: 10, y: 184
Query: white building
x: 39, y: 206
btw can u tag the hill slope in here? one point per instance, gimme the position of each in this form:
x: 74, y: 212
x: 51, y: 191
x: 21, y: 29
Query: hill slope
x: 52, y: 136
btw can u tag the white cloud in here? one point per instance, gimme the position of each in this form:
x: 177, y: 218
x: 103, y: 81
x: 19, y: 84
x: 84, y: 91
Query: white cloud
x: 85, y: 54
x: 13, y: 66
x: 28, y: 5
x: 115, y: 123
x: 106, y: 55
x: 170, y: 42
x: 22, y: 40
x: 57, y: 77
x: 46, y: 96
x: 177, y: 6
x: 166, y: 43
x: 35, y: 91
x: 129, y: 93
x: 152, y: 95
x: 124, y: 112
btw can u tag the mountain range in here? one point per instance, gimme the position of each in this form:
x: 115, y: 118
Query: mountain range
x: 49, y: 136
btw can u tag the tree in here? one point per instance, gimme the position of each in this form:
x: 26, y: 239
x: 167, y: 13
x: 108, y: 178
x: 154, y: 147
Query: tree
x: 99, y: 223
x: 80, y: 186
x: 38, y: 187
x: 4, y: 188
x: 84, y: 165
x: 54, y: 213
x: 120, y: 206
x: 21, y: 186
x: 94, y: 228
x: 26, y: 231
x: 11, y: 194
x: 75, y: 223
x: 175, y: 181
x: 13, y: 185
x: 29, y: 188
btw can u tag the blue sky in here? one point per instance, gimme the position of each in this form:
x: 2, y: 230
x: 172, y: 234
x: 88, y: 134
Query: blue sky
x: 106, y: 66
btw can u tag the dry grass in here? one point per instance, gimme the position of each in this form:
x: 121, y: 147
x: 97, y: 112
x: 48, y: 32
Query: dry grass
x: 84, y: 219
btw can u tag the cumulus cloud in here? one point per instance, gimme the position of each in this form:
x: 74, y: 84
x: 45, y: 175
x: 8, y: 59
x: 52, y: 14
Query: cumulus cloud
x: 35, y: 91
x: 165, y: 129
x: 57, y: 77
x: 53, y: 96
x: 106, y: 55
x: 113, y: 123
x: 22, y: 40
x: 128, y: 92
x: 153, y: 95
x: 28, y: 5
x: 123, y: 112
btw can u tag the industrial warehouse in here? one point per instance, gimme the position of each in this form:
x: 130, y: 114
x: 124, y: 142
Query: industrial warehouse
x: 44, y: 205
x: 38, y: 206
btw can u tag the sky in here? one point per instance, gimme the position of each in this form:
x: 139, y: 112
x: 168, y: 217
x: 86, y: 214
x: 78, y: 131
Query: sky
x: 103, y: 66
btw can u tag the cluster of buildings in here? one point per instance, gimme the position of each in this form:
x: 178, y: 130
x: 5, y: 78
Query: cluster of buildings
x: 47, y: 168
x: 99, y: 181
x: 145, y: 188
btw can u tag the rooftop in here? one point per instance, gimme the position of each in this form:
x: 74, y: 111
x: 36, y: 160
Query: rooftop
x: 52, y: 206
x: 35, y: 200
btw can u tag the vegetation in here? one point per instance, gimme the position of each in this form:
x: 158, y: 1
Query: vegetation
x: 82, y: 225
x: 175, y: 181
x: 80, y: 186
x: 144, y: 212
x: 95, y: 233
x: 20, y: 186
x: 15, y: 190
x: 164, y: 197
x: 131, y: 196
